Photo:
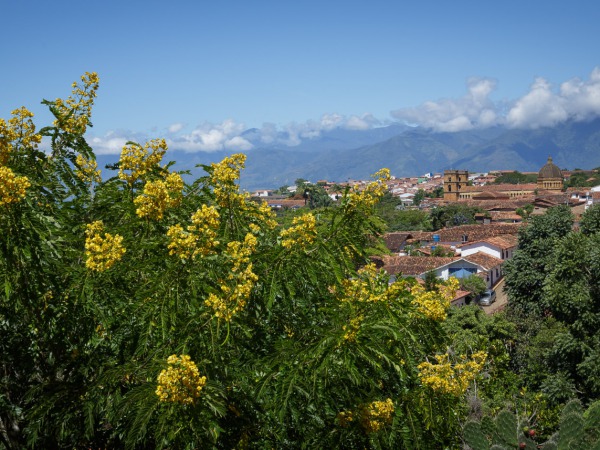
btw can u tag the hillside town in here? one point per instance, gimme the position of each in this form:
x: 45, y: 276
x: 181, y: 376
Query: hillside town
x: 460, y: 251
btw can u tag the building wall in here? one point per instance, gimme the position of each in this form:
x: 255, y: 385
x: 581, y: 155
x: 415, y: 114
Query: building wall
x: 483, y: 247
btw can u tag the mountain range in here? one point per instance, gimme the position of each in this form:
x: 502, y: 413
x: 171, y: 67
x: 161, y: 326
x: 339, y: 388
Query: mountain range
x: 339, y: 154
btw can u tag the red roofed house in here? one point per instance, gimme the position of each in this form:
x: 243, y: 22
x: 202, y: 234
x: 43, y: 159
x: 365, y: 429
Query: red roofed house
x: 445, y: 267
x: 501, y: 247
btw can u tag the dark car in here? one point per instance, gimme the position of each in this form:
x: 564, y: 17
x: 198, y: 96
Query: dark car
x: 487, y: 298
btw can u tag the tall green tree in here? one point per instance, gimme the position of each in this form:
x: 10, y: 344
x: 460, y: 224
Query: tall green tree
x: 527, y: 270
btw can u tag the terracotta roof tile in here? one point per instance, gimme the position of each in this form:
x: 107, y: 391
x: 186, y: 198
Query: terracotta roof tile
x: 414, y: 265
x: 394, y: 241
x: 503, y: 241
x: 484, y: 260
x: 505, y: 215
x: 501, y: 187
x: 505, y: 205
x: 475, y: 232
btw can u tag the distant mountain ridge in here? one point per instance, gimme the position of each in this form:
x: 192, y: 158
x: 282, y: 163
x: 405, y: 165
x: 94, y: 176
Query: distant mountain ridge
x: 340, y: 155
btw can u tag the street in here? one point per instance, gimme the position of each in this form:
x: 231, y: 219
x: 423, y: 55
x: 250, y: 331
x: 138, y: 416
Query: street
x: 501, y: 299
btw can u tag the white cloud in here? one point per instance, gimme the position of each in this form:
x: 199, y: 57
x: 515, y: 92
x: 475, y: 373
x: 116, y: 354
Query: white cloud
x: 364, y: 122
x: 212, y: 137
x: 234, y: 136
x: 238, y: 143
x: 540, y: 107
x: 176, y: 127
x: 582, y: 98
x: 475, y: 109
x: 113, y: 142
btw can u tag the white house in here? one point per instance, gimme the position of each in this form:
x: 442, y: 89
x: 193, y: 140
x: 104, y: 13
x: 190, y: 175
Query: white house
x: 501, y: 247
x: 487, y: 266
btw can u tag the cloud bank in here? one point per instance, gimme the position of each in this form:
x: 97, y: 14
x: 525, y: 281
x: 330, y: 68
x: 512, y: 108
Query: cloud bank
x: 235, y: 136
x: 543, y: 105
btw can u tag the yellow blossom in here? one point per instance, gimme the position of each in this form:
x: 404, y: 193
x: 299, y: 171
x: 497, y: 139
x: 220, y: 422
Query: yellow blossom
x: 366, y: 198
x: 369, y: 286
x: 447, y: 378
x: 345, y: 418
x: 12, y: 187
x: 87, y: 170
x: 237, y: 287
x: 137, y: 160
x: 375, y: 415
x: 158, y: 196
x: 17, y: 133
x: 223, y: 177
x: 180, y: 382
x: 352, y: 328
x: 434, y: 304
x: 301, y: 234
x: 227, y: 172
x: 199, y: 238
x: 76, y: 110
x: 102, y: 250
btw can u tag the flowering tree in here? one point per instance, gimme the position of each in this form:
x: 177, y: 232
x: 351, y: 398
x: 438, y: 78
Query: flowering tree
x: 149, y: 311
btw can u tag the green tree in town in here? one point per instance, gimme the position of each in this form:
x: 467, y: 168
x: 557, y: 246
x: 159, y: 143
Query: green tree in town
x: 527, y: 270
x: 453, y: 215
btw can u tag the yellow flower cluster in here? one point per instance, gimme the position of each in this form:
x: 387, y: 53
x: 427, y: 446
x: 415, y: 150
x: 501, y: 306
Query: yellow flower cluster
x: 345, y: 418
x: 351, y: 330
x: 301, y: 234
x: 370, y: 195
x: 445, y: 378
x: 264, y: 215
x: 375, y: 415
x: 432, y: 304
x: 233, y: 299
x: 159, y: 195
x: 102, y: 251
x: 76, y: 110
x: 136, y: 160
x: 223, y: 177
x: 87, y: 170
x: 199, y: 238
x: 12, y: 187
x: 370, y: 286
x: 180, y: 382
x: 18, y: 132
x: 227, y: 172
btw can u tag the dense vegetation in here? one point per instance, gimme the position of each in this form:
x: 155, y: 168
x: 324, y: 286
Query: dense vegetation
x: 144, y: 310
x: 516, y: 177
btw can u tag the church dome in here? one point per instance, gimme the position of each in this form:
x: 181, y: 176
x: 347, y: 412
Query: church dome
x: 550, y: 170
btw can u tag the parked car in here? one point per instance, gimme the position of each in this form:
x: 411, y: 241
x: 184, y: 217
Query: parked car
x: 487, y: 298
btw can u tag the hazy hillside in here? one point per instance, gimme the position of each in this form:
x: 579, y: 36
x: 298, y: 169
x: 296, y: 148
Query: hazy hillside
x: 340, y: 155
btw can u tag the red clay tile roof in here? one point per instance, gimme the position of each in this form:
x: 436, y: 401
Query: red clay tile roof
x: 500, y: 205
x: 560, y: 198
x: 475, y: 232
x: 505, y: 215
x: 493, y: 195
x: 501, y: 187
x: 394, y: 241
x: 484, y: 260
x: 503, y: 241
x: 414, y: 265
x: 460, y: 295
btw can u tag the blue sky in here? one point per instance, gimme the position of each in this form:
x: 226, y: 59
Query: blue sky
x: 199, y: 72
